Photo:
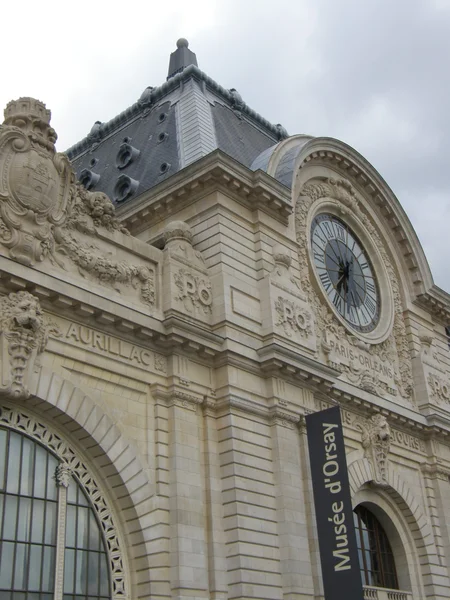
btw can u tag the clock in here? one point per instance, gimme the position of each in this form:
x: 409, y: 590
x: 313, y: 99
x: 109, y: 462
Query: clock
x: 345, y: 272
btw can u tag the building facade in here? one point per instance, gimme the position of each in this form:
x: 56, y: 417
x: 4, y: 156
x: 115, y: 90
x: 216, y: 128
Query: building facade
x: 159, y: 352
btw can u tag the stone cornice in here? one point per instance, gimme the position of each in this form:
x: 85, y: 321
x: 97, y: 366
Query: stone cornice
x: 436, y: 302
x: 216, y: 171
x: 104, y: 314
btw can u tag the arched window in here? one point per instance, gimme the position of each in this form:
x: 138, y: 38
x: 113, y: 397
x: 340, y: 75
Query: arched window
x: 49, y: 534
x: 375, y: 554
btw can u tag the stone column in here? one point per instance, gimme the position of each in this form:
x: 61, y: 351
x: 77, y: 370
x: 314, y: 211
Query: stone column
x: 189, y: 576
x: 296, y: 573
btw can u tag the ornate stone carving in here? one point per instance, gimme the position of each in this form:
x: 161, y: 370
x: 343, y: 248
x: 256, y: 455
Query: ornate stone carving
x: 43, y: 211
x: 62, y: 475
x: 193, y: 291
x: 293, y: 318
x: 281, y: 275
x: 376, y: 441
x: 440, y: 387
x: 23, y: 336
x: 35, y: 181
x: 178, y: 244
x: 395, y: 351
x: 91, y: 210
x: 160, y: 363
x: 26, y: 423
x: 92, y: 261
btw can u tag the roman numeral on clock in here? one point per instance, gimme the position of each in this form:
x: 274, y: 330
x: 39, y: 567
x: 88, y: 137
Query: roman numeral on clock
x: 326, y: 281
x: 319, y: 258
x: 338, y: 302
x: 370, y: 305
x: 371, y: 288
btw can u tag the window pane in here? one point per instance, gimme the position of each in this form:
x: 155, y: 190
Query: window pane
x: 3, y: 440
x: 6, y: 565
x: 48, y: 569
x: 94, y: 533
x: 12, y: 485
x: 71, y: 525
x: 34, y: 577
x: 82, y: 528
x: 52, y: 490
x: 10, y: 522
x: 20, y: 567
x: 26, y: 474
x: 24, y: 520
x: 40, y: 472
x: 50, y: 523
x: 37, y: 526
x: 104, y: 576
x: 376, y: 559
x: 93, y: 580
x: 69, y: 571
x: 81, y: 572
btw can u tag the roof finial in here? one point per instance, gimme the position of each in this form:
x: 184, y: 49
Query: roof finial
x: 181, y: 58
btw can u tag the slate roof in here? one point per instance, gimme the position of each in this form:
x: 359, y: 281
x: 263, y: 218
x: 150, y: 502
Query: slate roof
x: 168, y: 128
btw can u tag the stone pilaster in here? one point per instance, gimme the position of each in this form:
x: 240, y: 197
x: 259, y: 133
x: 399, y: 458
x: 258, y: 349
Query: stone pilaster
x: 188, y: 568
x: 217, y: 565
x: 291, y: 513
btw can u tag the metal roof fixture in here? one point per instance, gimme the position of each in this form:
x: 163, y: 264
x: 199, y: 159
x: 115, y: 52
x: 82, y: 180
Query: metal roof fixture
x: 124, y: 188
x: 88, y: 178
x: 126, y: 155
x: 181, y: 58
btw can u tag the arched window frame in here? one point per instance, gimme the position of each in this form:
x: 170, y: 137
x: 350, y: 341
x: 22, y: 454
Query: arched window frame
x: 71, y: 464
x: 375, y: 542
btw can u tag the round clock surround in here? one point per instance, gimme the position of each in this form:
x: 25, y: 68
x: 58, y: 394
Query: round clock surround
x: 350, y: 272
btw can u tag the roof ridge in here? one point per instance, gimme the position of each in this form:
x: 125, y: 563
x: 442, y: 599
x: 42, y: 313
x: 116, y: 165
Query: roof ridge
x: 151, y: 95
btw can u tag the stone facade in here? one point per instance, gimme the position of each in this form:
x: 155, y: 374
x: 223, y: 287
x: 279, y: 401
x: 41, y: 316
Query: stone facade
x: 174, y: 382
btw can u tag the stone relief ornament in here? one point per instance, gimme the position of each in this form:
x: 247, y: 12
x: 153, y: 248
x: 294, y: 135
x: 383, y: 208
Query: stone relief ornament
x: 376, y: 441
x: 440, y: 387
x: 92, y: 210
x: 90, y: 260
x: 45, y: 213
x: 35, y: 181
x: 281, y: 276
x: 293, y: 318
x: 394, y: 351
x: 23, y: 336
x: 193, y: 291
x: 178, y: 244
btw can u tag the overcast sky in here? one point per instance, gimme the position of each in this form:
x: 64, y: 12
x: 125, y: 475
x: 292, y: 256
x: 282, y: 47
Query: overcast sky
x: 373, y: 73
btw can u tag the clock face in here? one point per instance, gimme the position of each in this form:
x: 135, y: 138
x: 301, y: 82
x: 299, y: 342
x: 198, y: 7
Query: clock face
x: 345, y: 272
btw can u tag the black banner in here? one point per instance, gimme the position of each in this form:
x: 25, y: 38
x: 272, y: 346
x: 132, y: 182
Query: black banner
x: 334, y: 515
